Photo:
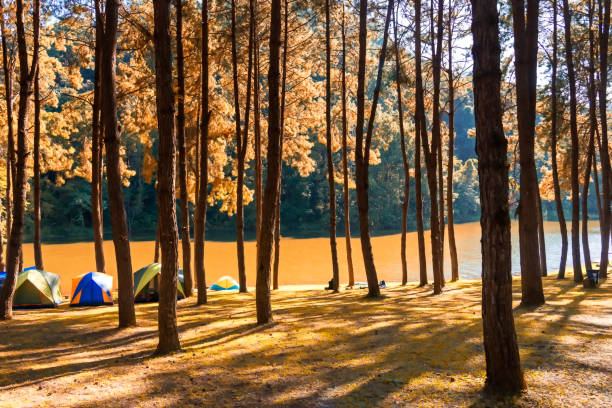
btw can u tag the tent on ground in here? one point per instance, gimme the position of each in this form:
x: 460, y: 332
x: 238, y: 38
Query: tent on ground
x: 37, y: 289
x: 2, y: 278
x: 146, y: 284
x: 225, y: 283
x: 92, y: 289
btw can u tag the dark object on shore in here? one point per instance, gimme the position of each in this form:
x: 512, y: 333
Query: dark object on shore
x: 593, y: 275
x: 589, y: 283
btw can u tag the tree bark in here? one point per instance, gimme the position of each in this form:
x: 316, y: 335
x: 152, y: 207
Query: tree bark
x: 569, y: 57
x: 96, y: 146
x: 200, y: 218
x: 362, y: 152
x: 241, y: 146
x: 166, y: 192
x: 27, y: 74
x: 38, y: 257
x: 400, y: 112
x: 504, y: 371
x: 330, y: 161
x: 541, y: 236
x: 431, y: 158
x: 277, y: 222
x: 127, y: 315
x: 604, y: 156
x: 10, y: 151
x: 525, y: 62
x: 452, y: 247
x: 418, y: 123
x: 345, y: 173
x: 257, y: 126
x: 553, y: 147
x: 274, y: 159
x: 180, y: 136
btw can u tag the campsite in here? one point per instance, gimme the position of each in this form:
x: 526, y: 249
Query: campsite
x: 245, y: 203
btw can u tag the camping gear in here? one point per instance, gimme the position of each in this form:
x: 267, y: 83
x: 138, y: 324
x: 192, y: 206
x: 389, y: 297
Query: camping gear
x: 37, y: 289
x: 2, y: 278
x: 92, y: 289
x: 224, y: 283
x: 146, y: 284
x: 593, y: 274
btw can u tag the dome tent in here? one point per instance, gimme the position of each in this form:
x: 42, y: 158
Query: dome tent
x: 146, y: 283
x: 37, y: 289
x: 225, y: 283
x: 92, y: 289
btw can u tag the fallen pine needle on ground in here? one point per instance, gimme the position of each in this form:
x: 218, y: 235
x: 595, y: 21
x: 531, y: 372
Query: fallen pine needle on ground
x: 408, y: 348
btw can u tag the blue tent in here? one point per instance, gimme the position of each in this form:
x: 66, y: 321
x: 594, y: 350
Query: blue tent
x: 2, y: 278
x: 92, y: 289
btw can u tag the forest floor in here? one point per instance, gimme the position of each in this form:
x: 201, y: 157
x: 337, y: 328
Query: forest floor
x: 408, y: 348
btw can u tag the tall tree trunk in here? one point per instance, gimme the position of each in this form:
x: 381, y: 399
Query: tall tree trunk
x: 604, y: 156
x: 38, y: 257
x: 541, y: 236
x: 525, y: 62
x: 26, y: 78
x: 569, y: 57
x: 553, y: 147
x: 400, y: 111
x: 274, y: 159
x: 362, y: 152
x: 418, y: 122
x: 452, y: 247
x: 200, y: 218
x: 241, y: 148
x: 121, y: 238
x: 431, y: 157
x: 166, y: 191
x: 330, y: 161
x: 257, y: 125
x: 180, y: 140
x: 10, y: 151
x: 345, y: 173
x: 96, y: 146
x: 277, y: 222
x: 504, y: 371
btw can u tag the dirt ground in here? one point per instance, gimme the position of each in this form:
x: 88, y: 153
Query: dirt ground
x: 408, y: 348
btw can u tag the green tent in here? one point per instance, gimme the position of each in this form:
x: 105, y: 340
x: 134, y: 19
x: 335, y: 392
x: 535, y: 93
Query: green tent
x: 37, y: 289
x: 146, y: 283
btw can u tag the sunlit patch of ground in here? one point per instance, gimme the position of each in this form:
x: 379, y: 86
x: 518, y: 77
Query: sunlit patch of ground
x: 408, y: 348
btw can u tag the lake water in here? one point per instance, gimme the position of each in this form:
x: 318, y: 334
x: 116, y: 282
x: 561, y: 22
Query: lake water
x: 308, y: 261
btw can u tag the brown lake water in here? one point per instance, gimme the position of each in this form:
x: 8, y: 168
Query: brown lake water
x: 308, y: 261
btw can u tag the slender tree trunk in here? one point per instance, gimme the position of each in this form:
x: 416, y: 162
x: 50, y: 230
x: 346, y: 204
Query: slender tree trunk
x: 10, y: 152
x: 400, y: 111
x: 504, y: 371
x: 200, y: 219
x: 96, y: 146
x: 166, y: 191
x: 38, y: 257
x: 418, y: 122
x: 541, y: 236
x: 431, y: 158
x: 597, y: 192
x: 569, y: 57
x: 604, y: 156
x: 525, y: 62
x: 121, y: 239
x: 452, y: 247
x: 345, y: 173
x: 27, y: 74
x: 241, y: 148
x: 180, y: 136
x: 257, y: 125
x: 277, y: 222
x: 274, y: 159
x: 553, y: 146
x: 330, y: 161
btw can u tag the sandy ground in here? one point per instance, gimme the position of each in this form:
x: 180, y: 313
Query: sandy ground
x: 408, y: 348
